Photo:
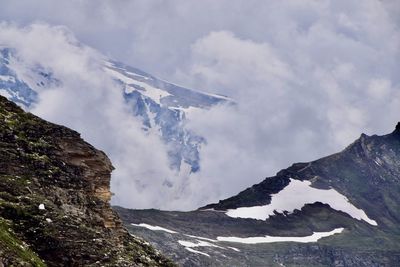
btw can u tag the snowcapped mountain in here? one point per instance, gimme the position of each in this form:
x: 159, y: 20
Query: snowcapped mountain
x: 13, y: 87
x: 163, y: 107
x: 340, y: 210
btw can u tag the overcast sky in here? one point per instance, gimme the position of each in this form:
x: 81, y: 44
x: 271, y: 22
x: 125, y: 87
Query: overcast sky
x: 308, y: 76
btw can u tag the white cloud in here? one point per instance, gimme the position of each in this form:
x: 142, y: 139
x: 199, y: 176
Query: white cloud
x: 308, y: 98
x: 88, y: 101
x: 221, y: 54
x: 379, y: 88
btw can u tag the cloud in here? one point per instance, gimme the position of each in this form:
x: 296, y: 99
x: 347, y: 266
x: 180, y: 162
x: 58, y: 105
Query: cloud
x: 301, y: 96
x: 308, y: 76
x: 90, y: 102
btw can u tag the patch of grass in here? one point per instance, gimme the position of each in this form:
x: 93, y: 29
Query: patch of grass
x: 13, y: 246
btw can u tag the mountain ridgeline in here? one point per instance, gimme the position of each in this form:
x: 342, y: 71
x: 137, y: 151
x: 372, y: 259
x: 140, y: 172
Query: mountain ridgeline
x: 367, y: 172
x: 54, y: 199
x: 340, y: 210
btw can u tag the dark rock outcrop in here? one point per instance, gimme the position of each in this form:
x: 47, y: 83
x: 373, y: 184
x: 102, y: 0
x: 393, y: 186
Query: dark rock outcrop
x: 54, y: 199
x: 397, y: 130
x: 367, y: 172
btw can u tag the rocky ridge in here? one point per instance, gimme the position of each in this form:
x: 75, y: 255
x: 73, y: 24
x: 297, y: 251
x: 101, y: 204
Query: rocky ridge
x: 366, y: 175
x: 54, y: 199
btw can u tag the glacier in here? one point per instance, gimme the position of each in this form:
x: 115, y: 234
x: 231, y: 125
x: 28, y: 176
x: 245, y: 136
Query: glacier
x: 162, y: 107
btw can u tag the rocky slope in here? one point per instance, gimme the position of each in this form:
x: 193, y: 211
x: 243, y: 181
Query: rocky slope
x: 341, y: 210
x: 54, y: 199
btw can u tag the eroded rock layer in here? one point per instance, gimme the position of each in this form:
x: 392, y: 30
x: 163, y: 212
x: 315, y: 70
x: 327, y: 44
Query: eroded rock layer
x: 54, y: 199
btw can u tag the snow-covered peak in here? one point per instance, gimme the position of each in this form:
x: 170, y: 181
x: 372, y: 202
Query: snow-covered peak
x: 161, y: 106
x: 162, y: 92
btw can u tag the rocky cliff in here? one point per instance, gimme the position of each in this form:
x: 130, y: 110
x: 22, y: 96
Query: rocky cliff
x: 54, y: 199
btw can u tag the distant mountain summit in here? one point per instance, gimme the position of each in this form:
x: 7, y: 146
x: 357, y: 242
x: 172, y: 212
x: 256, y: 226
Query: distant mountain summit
x: 367, y: 172
x: 14, y: 87
x: 162, y: 106
x: 397, y: 130
x: 340, y: 210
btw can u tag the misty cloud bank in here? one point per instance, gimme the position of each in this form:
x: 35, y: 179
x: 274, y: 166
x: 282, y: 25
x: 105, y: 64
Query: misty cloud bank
x: 308, y: 76
x: 88, y: 101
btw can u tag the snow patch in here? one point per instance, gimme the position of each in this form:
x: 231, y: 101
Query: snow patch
x: 200, y: 243
x: 7, y: 78
x: 151, y: 92
x: 201, y: 92
x: 188, y: 111
x: 197, y: 252
x: 295, y: 196
x: 154, y: 228
x: 203, y: 238
x: 136, y: 74
x: 378, y: 162
x: 271, y: 239
x: 190, y: 245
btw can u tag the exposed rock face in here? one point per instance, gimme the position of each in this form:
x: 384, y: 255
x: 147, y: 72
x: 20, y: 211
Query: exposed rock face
x: 397, y: 130
x: 96, y: 170
x: 54, y: 199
